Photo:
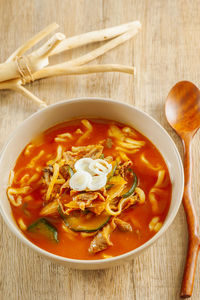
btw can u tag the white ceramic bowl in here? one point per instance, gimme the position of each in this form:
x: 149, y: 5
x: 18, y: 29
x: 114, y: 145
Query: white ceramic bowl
x: 91, y: 107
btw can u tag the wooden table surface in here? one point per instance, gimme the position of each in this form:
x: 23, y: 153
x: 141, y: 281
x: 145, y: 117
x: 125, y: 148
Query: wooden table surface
x: 164, y: 52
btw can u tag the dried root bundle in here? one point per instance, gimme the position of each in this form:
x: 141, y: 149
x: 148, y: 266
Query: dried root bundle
x: 20, y: 69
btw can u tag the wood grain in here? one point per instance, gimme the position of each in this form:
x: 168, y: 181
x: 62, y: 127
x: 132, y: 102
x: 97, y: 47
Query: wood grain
x: 164, y: 52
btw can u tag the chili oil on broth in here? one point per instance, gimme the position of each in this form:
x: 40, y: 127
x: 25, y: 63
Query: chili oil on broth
x: 144, y: 218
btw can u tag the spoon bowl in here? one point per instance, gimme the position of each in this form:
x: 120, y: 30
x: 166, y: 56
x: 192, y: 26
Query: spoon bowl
x: 182, y: 108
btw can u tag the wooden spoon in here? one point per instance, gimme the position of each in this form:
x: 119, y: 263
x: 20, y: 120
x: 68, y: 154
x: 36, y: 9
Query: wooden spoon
x: 182, y: 109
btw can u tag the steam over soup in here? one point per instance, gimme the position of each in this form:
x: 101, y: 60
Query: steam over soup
x: 90, y: 189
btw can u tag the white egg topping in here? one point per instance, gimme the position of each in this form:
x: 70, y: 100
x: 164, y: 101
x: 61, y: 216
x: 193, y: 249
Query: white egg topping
x: 100, y: 166
x: 91, y: 174
x: 97, y: 182
x: 80, y: 180
x: 83, y: 165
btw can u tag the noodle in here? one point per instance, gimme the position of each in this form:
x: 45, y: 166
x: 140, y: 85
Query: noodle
x: 128, y: 145
x: 34, y: 178
x: 58, y: 156
x: 155, y: 224
x: 126, y: 150
x: 149, y: 164
x: 154, y: 202
x: 89, y: 127
x: 27, y: 150
x: 53, y: 180
x: 66, y: 134
x: 60, y: 140
x: 119, y: 207
x: 123, y: 156
x: 11, y: 177
x: 141, y: 194
x: 115, y: 132
x: 156, y: 189
x: 24, y: 178
x: 60, y: 181
x: 37, y: 157
x: 161, y: 175
x: 158, y: 226
x: 129, y: 131
x: 62, y: 137
x: 28, y: 198
x: 22, y: 225
x: 17, y: 191
x: 135, y: 142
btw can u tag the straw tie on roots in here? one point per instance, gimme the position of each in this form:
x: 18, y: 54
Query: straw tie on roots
x: 20, y: 69
x: 24, y: 69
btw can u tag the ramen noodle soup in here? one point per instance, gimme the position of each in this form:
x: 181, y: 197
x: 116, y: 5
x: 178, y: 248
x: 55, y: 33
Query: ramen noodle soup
x: 90, y: 189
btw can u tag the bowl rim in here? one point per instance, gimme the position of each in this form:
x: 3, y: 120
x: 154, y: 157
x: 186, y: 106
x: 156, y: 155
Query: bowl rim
x: 126, y: 255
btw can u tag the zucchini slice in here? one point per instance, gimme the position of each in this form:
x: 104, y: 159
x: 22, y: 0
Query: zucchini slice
x: 133, y: 186
x: 84, y: 221
x: 43, y: 227
x: 70, y: 171
x: 112, y: 173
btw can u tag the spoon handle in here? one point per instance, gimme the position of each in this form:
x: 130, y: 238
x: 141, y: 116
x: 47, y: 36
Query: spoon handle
x: 193, y: 228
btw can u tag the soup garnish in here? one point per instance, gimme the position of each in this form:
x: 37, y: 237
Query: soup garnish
x: 90, y: 189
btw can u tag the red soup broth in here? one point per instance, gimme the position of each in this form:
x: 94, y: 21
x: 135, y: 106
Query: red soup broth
x: 139, y: 216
